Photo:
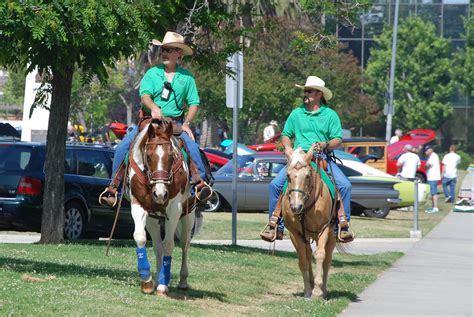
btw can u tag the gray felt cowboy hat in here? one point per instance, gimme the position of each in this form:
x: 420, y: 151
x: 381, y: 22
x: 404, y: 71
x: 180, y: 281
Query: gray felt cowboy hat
x: 173, y: 39
x: 314, y: 82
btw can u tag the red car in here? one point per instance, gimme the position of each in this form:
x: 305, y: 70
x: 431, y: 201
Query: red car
x: 418, y: 138
x: 216, y: 158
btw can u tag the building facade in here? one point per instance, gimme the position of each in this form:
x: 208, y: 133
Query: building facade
x: 447, y: 15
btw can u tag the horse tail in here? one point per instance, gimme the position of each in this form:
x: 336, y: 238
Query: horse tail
x: 344, y: 248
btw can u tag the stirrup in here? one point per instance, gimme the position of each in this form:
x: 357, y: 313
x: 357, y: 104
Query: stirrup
x: 339, y: 237
x: 211, y: 192
x: 103, y: 200
x: 265, y: 234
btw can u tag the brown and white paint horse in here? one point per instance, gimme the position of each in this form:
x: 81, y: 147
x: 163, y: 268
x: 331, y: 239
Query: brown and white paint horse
x: 158, y: 185
x: 306, y: 209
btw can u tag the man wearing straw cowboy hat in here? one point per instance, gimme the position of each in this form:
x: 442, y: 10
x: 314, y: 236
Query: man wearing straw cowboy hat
x: 312, y: 122
x: 164, y: 90
x: 269, y: 131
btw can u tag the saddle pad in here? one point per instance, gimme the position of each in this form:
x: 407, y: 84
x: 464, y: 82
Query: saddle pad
x: 326, y: 180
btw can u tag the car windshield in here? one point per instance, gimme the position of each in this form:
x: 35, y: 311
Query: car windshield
x: 14, y: 158
x: 244, y: 165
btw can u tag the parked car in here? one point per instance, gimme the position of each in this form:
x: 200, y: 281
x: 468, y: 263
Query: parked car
x: 216, y: 158
x: 87, y: 173
x: 256, y: 171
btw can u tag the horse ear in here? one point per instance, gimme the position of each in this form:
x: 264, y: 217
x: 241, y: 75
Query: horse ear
x: 151, y: 130
x: 169, y: 128
x: 309, y: 154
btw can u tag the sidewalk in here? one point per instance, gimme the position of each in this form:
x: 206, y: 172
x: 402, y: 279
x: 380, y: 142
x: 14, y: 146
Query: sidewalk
x: 358, y: 247
x: 434, y: 278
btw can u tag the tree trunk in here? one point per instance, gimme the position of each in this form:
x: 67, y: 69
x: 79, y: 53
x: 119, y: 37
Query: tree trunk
x: 52, y: 222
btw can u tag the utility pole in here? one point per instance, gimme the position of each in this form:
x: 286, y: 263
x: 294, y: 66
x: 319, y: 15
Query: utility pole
x: 390, y: 109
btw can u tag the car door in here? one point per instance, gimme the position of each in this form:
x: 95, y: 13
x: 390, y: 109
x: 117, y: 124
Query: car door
x: 257, y: 188
x: 92, y: 176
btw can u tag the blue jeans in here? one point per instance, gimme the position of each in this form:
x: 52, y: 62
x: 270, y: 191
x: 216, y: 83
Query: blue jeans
x: 342, y: 183
x: 449, y: 187
x: 124, y: 146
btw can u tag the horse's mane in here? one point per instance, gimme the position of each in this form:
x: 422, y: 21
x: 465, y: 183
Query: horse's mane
x: 298, y: 157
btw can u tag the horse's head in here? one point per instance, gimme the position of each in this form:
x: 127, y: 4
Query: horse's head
x: 300, y: 180
x: 158, y: 158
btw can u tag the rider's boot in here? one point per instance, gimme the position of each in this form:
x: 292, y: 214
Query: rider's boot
x: 203, y: 191
x: 108, y: 197
x: 344, y: 233
x: 271, y: 233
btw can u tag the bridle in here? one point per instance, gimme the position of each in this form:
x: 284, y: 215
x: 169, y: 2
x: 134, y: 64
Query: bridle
x: 161, y: 176
x: 301, y: 191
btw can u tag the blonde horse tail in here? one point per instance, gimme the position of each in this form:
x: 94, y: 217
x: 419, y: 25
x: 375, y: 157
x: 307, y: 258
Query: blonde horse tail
x: 344, y: 248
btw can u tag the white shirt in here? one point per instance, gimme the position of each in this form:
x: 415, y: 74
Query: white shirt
x: 394, y: 139
x: 433, y: 173
x: 268, y: 132
x: 451, y: 162
x: 410, y: 162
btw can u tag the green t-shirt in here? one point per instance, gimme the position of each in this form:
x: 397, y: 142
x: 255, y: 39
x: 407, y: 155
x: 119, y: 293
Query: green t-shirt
x: 184, y: 90
x: 309, y: 127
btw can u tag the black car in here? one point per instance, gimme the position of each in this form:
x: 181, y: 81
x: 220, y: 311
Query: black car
x: 87, y: 171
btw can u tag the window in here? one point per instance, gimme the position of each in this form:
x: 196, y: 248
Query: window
x: 92, y: 163
x: 14, y: 158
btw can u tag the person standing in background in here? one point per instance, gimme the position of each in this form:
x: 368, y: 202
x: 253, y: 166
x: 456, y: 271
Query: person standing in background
x: 396, y: 137
x: 449, y: 172
x: 433, y: 175
x: 408, y: 163
x: 269, y: 131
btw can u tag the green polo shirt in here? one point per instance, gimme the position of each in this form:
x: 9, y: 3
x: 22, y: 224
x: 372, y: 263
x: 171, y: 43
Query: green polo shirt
x: 309, y: 127
x: 184, y: 90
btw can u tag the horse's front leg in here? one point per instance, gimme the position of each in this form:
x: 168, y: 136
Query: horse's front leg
x: 173, y: 211
x: 304, y: 264
x: 320, y: 281
x: 153, y: 226
x: 186, y: 224
x: 139, y: 235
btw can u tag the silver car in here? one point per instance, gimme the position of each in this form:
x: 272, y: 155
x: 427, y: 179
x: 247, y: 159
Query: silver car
x: 256, y: 171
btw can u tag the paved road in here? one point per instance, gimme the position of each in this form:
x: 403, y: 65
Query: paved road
x: 434, y: 278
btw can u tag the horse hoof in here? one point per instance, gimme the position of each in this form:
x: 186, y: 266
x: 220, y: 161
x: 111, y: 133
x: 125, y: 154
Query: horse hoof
x: 183, y: 288
x: 147, y: 287
x: 162, y: 291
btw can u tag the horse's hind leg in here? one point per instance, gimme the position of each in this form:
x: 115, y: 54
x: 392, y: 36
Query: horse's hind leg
x: 139, y: 235
x: 187, y: 224
x: 320, y: 255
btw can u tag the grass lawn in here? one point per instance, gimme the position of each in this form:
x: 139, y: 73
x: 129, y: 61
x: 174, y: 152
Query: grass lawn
x: 76, y: 279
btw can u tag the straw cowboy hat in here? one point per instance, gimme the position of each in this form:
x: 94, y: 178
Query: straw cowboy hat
x: 314, y: 82
x: 273, y: 122
x: 173, y: 39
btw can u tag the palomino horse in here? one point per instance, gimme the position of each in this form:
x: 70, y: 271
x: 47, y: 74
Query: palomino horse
x: 306, y: 208
x: 159, y: 189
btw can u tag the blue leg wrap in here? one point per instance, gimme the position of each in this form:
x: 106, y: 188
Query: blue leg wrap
x: 165, y: 273
x: 143, y: 264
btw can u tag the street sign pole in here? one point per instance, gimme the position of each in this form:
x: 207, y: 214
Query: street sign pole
x: 234, y: 99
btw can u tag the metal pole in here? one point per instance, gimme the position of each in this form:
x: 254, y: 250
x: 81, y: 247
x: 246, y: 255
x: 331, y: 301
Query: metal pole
x: 415, y: 233
x: 392, y: 74
x: 235, y: 117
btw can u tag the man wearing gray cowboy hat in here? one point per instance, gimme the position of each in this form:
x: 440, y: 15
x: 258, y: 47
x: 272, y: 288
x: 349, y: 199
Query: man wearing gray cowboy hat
x: 310, y: 123
x: 164, y: 90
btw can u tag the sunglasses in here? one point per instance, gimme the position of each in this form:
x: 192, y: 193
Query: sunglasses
x: 170, y: 49
x: 309, y: 91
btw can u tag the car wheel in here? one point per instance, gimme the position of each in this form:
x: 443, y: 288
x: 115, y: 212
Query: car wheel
x: 74, y: 221
x: 213, y: 204
x: 420, y: 177
x: 377, y: 212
